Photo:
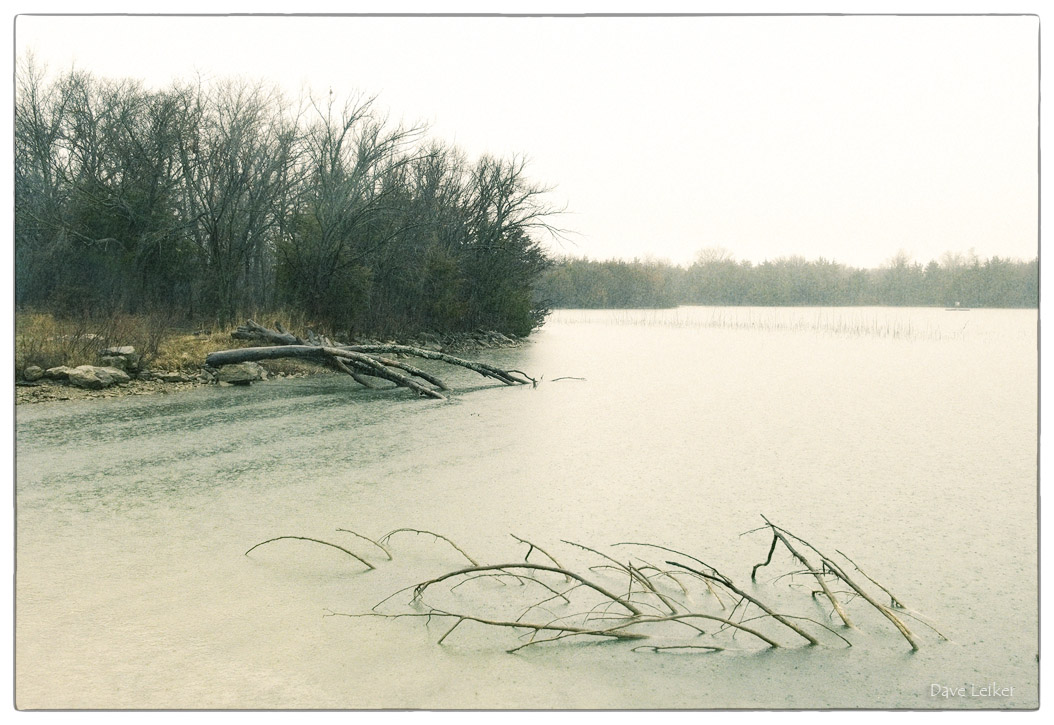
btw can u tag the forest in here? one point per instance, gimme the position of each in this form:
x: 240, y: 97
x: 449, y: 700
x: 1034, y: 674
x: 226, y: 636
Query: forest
x: 716, y: 278
x: 211, y: 201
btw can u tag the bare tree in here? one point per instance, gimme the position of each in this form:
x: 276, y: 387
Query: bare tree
x: 223, y: 199
x: 41, y: 111
x: 346, y: 206
x: 233, y: 170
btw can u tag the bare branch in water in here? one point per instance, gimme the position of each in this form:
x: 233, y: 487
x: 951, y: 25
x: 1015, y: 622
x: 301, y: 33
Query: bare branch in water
x: 367, y: 564
x: 533, y: 547
x: 431, y: 533
x: 595, y: 610
x: 366, y: 538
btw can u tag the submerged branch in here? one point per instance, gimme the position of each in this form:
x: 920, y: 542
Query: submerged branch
x: 420, y: 588
x: 587, y: 605
x: 366, y: 538
x: 367, y: 564
x: 753, y: 600
x: 837, y: 571
x: 389, y: 535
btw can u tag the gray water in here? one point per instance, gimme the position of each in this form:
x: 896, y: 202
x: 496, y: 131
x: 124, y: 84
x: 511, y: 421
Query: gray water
x: 905, y: 438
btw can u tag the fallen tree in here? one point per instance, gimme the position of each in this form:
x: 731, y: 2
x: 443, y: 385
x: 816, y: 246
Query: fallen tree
x: 361, y: 362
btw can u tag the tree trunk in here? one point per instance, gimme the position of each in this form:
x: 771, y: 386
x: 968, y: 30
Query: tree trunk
x: 355, y: 360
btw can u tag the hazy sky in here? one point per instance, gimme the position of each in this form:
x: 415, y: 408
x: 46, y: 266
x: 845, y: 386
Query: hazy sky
x: 844, y: 137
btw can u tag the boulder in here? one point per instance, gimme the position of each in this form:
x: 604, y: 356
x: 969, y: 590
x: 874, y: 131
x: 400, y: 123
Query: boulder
x: 119, y: 377
x: 124, y: 357
x: 242, y: 373
x: 32, y: 373
x: 97, y: 378
x: 90, y: 377
x: 60, y: 373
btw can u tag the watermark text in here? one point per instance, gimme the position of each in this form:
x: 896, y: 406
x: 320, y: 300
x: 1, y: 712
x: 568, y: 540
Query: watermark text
x: 990, y: 689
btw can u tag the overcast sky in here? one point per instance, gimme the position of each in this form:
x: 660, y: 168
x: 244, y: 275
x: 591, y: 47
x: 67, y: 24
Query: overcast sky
x: 848, y: 138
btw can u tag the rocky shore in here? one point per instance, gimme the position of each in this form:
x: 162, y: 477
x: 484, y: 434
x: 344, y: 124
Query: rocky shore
x: 122, y: 371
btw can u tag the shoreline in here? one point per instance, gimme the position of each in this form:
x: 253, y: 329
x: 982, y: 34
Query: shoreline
x: 51, y: 391
x: 165, y: 383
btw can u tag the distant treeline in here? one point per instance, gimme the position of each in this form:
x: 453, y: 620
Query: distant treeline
x: 209, y: 201
x: 717, y: 279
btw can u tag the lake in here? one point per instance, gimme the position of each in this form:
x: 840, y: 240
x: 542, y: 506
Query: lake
x: 905, y: 438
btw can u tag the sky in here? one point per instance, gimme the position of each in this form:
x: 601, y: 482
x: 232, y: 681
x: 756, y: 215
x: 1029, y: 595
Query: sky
x: 847, y: 138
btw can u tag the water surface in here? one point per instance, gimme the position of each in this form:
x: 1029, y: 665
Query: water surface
x: 905, y: 438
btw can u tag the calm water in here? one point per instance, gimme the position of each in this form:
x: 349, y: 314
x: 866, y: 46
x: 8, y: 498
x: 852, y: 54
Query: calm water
x: 905, y: 438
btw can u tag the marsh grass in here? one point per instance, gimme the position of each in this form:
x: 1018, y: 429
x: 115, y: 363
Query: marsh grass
x: 840, y: 322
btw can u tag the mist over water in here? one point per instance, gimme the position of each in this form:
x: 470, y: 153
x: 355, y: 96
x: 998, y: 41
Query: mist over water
x: 906, y: 438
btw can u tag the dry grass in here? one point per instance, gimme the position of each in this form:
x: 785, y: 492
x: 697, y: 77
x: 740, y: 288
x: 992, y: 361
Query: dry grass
x: 185, y: 352
x: 47, y: 341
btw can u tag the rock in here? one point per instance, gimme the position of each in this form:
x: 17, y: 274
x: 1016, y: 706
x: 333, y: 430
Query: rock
x: 172, y: 377
x: 90, y: 377
x: 60, y: 373
x: 242, y: 373
x: 32, y: 373
x: 97, y: 378
x: 120, y: 377
x: 124, y: 357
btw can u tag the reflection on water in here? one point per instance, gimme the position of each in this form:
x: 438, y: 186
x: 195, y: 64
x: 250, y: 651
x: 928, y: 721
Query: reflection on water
x: 913, y: 451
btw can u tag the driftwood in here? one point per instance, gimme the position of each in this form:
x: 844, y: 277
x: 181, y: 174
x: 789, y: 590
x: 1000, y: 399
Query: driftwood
x: 631, y: 599
x: 361, y: 362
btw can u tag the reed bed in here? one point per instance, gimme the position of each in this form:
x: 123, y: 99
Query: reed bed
x: 835, y: 322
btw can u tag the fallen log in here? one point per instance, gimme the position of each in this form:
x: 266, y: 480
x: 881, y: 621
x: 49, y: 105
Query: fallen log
x: 508, y: 377
x: 358, y: 361
x: 254, y: 331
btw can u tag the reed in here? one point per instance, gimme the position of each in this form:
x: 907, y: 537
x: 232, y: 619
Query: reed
x: 834, y: 322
